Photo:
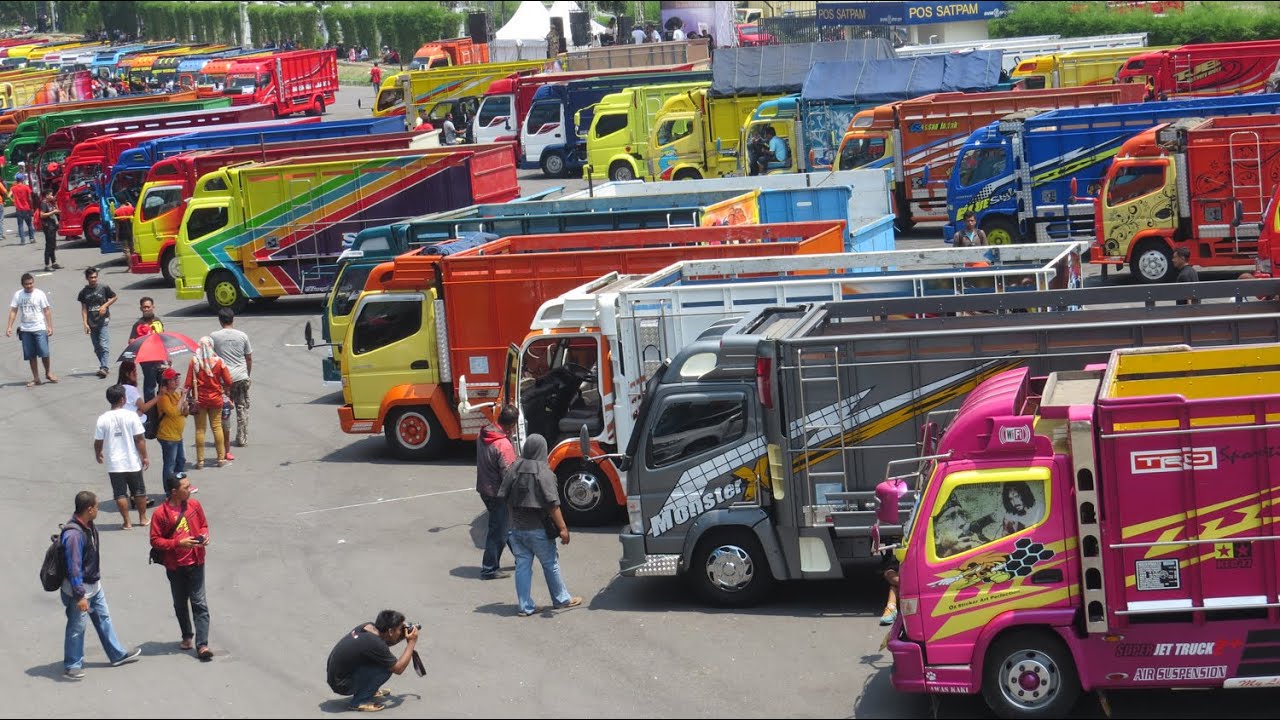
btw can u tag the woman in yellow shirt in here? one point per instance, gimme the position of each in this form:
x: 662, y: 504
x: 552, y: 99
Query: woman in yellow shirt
x: 172, y: 406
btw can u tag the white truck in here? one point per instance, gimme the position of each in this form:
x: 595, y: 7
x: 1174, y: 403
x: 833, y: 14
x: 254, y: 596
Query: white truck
x: 590, y: 352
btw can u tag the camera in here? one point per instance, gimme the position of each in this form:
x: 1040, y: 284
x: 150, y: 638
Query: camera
x: 412, y: 626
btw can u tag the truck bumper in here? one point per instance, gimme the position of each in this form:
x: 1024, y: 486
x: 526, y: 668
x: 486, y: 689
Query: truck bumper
x: 350, y: 425
x: 635, y: 563
x: 1098, y: 256
x: 911, y: 675
x: 187, y: 289
x: 139, y: 266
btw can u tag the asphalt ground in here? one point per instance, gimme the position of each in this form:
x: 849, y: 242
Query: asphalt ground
x: 314, y: 532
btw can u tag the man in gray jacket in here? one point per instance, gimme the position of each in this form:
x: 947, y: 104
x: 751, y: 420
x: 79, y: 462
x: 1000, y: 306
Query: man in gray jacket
x: 494, y: 452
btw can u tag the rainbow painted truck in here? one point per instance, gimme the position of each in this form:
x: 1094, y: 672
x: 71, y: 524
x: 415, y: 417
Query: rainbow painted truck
x: 756, y: 453
x: 1105, y: 528
x: 272, y: 229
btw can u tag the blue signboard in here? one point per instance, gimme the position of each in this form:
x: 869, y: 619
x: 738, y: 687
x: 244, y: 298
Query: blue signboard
x: 838, y: 14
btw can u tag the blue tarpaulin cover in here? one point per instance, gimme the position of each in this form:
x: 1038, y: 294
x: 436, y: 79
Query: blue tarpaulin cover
x: 876, y: 81
x: 781, y: 69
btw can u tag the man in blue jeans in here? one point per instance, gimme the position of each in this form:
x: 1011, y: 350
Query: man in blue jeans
x: 362, y: 661
x: 529, y: 489
x: 82, y: 592
x: 494, y: 452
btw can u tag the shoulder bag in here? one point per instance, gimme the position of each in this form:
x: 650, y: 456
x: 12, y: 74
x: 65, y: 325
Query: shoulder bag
x: 157, y: 555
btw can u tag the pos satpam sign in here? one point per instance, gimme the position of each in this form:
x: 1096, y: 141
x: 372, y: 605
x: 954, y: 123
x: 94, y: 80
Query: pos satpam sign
x: 836, y: 14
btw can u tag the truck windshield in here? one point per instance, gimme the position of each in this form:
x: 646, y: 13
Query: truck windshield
x: 347, y: 288
x: 125, y: 186
x: 559, y: 390
x: 858, y: 152
x: 981, y: 164
x: 609, y: 124
x: 1134, y: 182
x: 642, y: 417
x: 496, y: 106
x: 389, y: 98
x: 82, y: 174
x: 159, y: 201
x: 241, y: 82
x: 204, y: 221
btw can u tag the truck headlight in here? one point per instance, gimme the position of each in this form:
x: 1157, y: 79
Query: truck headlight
x: 634, y: 516
x: 909, y: 606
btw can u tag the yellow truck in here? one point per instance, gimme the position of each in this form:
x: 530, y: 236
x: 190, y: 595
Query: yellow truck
x: 426, y: 88
x: 21, y: 88
x: 1074, y: 69
x: 696, y: 135
x: 618, y: 141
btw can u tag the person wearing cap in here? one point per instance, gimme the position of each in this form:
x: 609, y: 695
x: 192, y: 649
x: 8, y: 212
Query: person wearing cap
x: 21, y: 194
x: 172, y: 405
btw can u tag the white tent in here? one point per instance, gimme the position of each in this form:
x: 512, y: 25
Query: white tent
x: 532, y: 21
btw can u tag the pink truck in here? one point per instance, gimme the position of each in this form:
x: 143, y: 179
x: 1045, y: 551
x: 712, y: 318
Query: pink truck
x: 1101, y: 529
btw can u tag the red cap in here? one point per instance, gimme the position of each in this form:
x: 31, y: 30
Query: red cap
x: 169, y: 374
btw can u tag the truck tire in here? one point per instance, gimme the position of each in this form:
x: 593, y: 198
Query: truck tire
x: 553, y: 165
x: 621, y: 172
x: 1152, y: 262
x: 1001, y: 231
x: 687, y: 174
x: 169, y: 268
x: 586, y: 495
x: 729, y: 569
x: 318, y: 108
x: 94, y: 231
x: 414, y: 433
x: 1030, y: 674
x: 222, y: 291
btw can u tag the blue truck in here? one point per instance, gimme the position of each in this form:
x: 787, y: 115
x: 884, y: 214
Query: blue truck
x: 1030, y: 176
x: 129, y: 173
x: 553, y: 136
x: 813, y: 121
x: 869, y: 227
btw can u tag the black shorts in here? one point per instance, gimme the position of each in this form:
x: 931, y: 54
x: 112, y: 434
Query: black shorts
x: 126, y: 484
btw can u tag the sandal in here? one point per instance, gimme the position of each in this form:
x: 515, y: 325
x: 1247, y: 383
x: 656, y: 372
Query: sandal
x: 186, y: 644
x: 223, y: 463
x: 34, y: 383
x: 382, y: 692
x: 367, y: 707
x: 573, y: 603
x: 204, y: 653
x: 51, y: 378
x: 199, y: 465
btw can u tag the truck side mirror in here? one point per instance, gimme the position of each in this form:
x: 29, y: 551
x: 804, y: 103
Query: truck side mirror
x: 1075, y: 188
x: 306, y: 333
x: 1235, y: 221
x: 584, y: 441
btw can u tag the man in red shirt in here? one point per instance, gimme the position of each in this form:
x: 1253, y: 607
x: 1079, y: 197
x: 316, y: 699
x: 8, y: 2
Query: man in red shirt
x: 181, y: 534
x: 21, y: 194
x: 375, y: 77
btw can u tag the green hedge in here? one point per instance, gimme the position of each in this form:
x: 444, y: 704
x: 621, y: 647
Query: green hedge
x: 404, y: 26
x: 208, y: 21
x: 1200, y: 22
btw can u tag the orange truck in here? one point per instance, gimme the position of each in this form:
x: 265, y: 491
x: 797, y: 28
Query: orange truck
x: 445, y: 53
x: 920, y: 138
x: 455, y: 319
x: 1198, y: 184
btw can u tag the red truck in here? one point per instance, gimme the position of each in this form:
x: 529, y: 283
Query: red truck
x: 172, y: 181
x: 425, y: 322
x: 291, y: 82
x: 1207, y: 69
x: 1198, y: 184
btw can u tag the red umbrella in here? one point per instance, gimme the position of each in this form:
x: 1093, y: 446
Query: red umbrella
x: 157, y: 347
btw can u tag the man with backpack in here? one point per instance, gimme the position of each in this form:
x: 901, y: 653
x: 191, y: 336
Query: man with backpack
x: 82, y: 592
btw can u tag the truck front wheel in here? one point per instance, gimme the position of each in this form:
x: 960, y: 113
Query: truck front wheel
x: 1001, y: 231
x: 621, y: 172
x: 223, y: 291
x: 687, y: 174
x: 169, y: 268
x: 553, y: 165
x: 586, y: 495
x: 1030, y: 674
x: 415, y: 434
x: 1152, y: 262
x: 729, y: 569
x: 94, y: 231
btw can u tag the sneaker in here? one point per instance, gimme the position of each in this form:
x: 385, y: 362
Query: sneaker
x: 48, y: 269
x: 131, y: 657
x: 890, y: 614
x: 73, y: 674
x: 496, y: 576
x: 573, y: 603
x: 102, y: 372
x: 229, y: 457
x: 56, y: 266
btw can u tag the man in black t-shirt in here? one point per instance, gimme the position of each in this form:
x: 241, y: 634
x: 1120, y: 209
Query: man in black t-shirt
x: 362, y: 661
x: 95, y: 311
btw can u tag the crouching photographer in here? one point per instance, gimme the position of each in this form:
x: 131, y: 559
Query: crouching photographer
x: 362, y: 661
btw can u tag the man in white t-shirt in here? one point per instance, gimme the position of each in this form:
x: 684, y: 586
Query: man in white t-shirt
x: 31, y: 306
x: 120, y: 443
x: 639, y: 36
x: 677, y: 35
x: 233, y: 347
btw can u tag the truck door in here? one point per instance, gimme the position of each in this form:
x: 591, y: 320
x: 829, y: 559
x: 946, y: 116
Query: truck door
x: 678, y: 144
x: 494, y: 118
x: 994, y: 543
x: 698, y: 451
x: 391, y: 342
x: 543, y: 127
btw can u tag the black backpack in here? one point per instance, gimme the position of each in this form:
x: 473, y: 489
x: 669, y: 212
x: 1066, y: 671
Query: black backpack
x: 54, y: 568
